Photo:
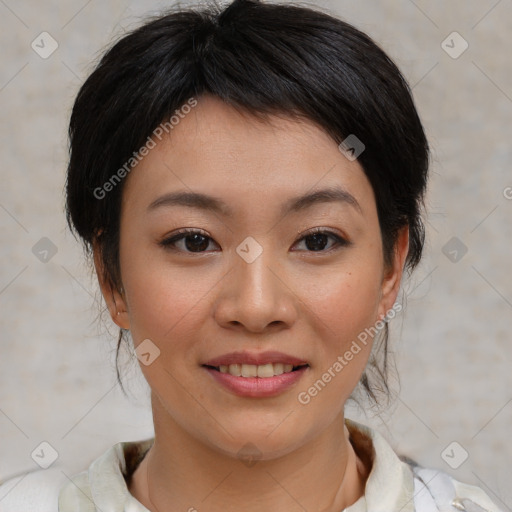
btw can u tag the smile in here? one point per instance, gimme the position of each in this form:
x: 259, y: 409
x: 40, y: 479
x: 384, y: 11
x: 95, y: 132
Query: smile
x: 262, y: 371
x: 256, y: 381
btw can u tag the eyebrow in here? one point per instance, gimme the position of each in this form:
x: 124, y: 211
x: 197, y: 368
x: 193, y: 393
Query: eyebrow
x: 293, y: 205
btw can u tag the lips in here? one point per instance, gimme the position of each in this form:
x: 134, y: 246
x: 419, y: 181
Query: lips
x: 248, y: 358
x: 259, y: 386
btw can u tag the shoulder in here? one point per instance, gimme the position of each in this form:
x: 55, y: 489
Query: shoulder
x: 435, y: 490
x: 407, y: 485
x: 34, y: 491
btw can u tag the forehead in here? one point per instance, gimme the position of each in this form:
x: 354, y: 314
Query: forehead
x: 218, y: 150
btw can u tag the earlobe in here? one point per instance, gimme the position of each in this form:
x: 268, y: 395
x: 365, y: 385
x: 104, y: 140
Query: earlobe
x: 393, y: 275
x: 114, y: 299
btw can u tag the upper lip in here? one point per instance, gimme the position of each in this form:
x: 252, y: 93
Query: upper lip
x: 255, y: 359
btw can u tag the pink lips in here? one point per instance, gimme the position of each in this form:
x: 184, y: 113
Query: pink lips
x: 256, y: 387
x: 257, y: 359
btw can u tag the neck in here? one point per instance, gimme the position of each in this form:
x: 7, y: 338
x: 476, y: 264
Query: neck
x: 181, y: 473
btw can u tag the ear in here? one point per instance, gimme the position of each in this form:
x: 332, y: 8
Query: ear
x: 392, y: 276
x: 115, y: 299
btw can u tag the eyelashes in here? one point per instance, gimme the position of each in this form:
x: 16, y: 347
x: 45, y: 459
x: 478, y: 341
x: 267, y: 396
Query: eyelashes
x: 198, y: 241
x: 196, y: 234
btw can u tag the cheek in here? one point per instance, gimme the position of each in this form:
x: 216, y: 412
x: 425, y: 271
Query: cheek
x: 347, y: 302
x: 165, y: 301
x: 165, y: 307
x: 345, y: 308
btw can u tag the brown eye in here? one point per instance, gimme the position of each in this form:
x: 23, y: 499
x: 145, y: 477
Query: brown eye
x: 318, y: 239
x: 193, y: 241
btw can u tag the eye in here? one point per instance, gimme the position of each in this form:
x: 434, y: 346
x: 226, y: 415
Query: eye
x: 192, y: 240
x: 316, y: 240
x: 197, y: 241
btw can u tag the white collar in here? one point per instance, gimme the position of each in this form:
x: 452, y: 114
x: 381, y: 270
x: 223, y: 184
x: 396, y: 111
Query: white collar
x: 389, y: 486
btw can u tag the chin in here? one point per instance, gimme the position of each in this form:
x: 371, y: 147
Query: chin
x: 250, y: 438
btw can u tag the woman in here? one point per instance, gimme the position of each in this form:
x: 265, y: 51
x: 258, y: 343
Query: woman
x: 211, y: 152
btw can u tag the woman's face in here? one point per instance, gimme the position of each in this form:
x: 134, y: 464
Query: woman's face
x: 254, y: 280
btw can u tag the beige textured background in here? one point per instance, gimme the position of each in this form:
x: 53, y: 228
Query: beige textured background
x: 57, y: 376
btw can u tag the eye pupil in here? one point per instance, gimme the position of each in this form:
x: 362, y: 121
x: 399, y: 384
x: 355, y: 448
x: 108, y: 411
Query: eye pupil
x: 319, y: 241
x: 200, y: 242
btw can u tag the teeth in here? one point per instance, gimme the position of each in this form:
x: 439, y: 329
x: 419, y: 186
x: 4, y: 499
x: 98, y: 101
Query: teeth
x: 251, y: 370
x: 278, y: 368
x: 265, y: 370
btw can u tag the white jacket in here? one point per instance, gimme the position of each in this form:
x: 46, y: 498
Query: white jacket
x: 393, y: 485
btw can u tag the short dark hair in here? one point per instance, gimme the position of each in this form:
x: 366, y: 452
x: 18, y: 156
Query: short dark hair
x: 261, y: 58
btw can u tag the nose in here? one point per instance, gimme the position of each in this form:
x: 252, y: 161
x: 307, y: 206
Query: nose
x: 257, y: 295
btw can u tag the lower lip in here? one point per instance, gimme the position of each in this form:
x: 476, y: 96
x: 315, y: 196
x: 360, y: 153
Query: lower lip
x: 257, y: 387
